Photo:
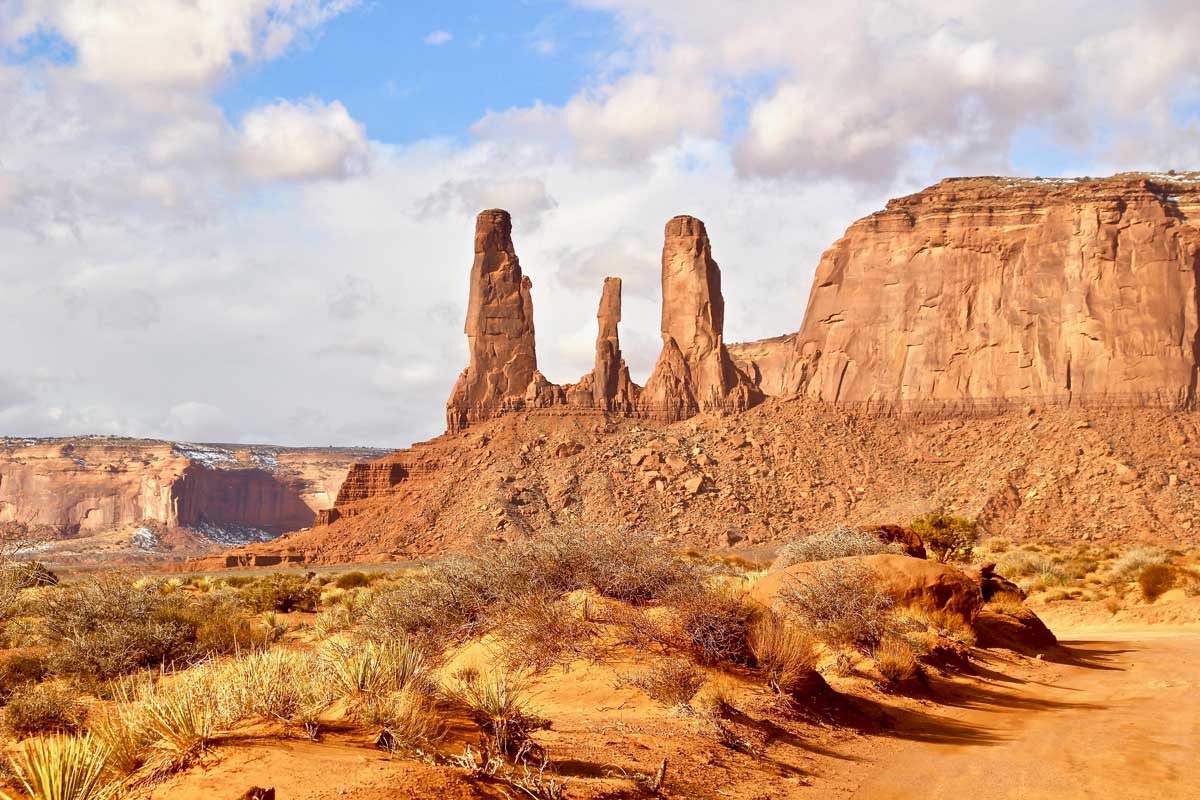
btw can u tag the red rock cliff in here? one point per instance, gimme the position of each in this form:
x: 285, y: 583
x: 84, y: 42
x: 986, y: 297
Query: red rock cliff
x: 980, y: 290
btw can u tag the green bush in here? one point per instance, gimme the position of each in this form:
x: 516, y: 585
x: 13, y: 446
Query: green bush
x: 947, y: 537
x: 282, y: 593
x: 34, y: 709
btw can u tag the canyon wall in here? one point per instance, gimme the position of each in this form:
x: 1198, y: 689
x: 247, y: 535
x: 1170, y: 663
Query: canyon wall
x: 984, y: 290
x: 87, y: 486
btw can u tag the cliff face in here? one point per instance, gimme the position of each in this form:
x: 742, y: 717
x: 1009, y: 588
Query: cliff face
x: 90, y: 486
x: 987, y: 289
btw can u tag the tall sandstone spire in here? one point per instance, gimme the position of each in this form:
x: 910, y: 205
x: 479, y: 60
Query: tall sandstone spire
x: 499, y: 329
x: 694, y: 371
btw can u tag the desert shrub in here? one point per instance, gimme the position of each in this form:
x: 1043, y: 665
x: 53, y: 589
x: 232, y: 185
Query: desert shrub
x: 672, y: 682
x: 785, y: 654
x: 1155, y: 579
x: 222, y: 627
x: 36, y: 709
x: 841, y: 602
x: 63, y: 768
x: 282, y: 593
x: 714, y: 625
x: 26, y: 575
x: 538, y: 633
x: 19, y: 669
x: 1006, y: 603
x: 1129, y: 565
x: 333, y: 620
x: 238, y: 581
x: 947, y: 537
x: 499, y: 702
x: 939, y: 622
x: 895, y: 659
x: 352, y: 580
x: 838, y: 542
x: 103, y: 627
x: 461, y: 595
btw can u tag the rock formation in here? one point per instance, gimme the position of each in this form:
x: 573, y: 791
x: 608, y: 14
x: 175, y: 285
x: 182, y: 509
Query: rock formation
x: 694, y: 371
x: 499, y: 329
x: 983, y: 290
x: 88, y: 486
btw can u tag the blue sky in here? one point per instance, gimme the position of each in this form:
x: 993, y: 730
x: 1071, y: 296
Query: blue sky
x: 252, y: 220
x: 376, y: 60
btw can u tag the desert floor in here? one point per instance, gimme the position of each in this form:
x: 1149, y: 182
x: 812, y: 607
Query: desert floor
x: 1120, y: 718
x: 1115, y: 713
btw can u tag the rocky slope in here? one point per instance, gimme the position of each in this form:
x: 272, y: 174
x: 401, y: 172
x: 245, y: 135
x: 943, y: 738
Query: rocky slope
x: 984, y: 290
x: 782, y: 468
x: 112, y: 494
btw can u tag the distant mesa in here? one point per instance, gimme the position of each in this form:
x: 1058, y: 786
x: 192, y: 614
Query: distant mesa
x: 694, y: 373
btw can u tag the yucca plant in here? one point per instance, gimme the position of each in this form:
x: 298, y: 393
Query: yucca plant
x: 284, y: 685
x: 499, y: 702
x: 183, y: 719
x: 365, y: 672
x: 63, y: 768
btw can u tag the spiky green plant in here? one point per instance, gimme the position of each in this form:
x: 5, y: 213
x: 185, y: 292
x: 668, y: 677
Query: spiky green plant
x: 63, y: 768
x: 363, y: 672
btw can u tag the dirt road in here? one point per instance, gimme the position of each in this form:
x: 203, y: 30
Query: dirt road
x: 1117, y: 716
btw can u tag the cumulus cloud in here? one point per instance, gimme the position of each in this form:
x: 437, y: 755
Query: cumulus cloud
x: 526, y: 198
x: 168, y: 43
x: 437, y: 38
x: 308, y: 139
x: 863, y: 89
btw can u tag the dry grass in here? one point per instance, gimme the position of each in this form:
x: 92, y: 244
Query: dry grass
x: 1155, y: 579
x: 714, y: 626
x: 499, y: 702
x: 365, y: 674
x: 35, y: 709
x: 895, y: 659
x: 838, y: 542
x: 786, y: 655
x: 537, y: 633
x: 672, y: 683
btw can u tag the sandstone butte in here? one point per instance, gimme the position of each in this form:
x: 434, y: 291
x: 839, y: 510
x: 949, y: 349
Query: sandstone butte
x: 1016, y: 350
x: 135, y: 498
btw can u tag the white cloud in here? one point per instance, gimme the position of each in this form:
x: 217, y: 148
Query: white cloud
x: 437, y: 38
x: 169, y: 43
x: 308, y: 139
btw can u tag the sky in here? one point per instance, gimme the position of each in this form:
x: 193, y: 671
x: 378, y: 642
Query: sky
x: 252, y: 220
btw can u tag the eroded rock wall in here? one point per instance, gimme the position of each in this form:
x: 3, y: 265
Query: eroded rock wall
x: 984, y: 290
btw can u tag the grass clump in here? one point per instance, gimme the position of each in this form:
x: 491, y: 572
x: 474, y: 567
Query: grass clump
x: 838, y: 542
x: 1155, y: 579
x: 1129, y: 565
x: 38, y: 709
x: 364, y: 674
x: 784, y: 654
x: 895, y: 659
x: 62, y: 768
x: 352, y: 580
x: 499, y: 702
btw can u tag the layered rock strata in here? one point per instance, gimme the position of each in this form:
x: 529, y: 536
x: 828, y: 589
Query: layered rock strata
x: 980, y: 291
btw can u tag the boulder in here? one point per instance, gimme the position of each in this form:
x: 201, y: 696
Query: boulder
x: 913, y: 582
x: 1016, y: 629
x: 907, y: 537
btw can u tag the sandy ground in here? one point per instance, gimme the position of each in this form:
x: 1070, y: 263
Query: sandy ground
x: 1117, y: 716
